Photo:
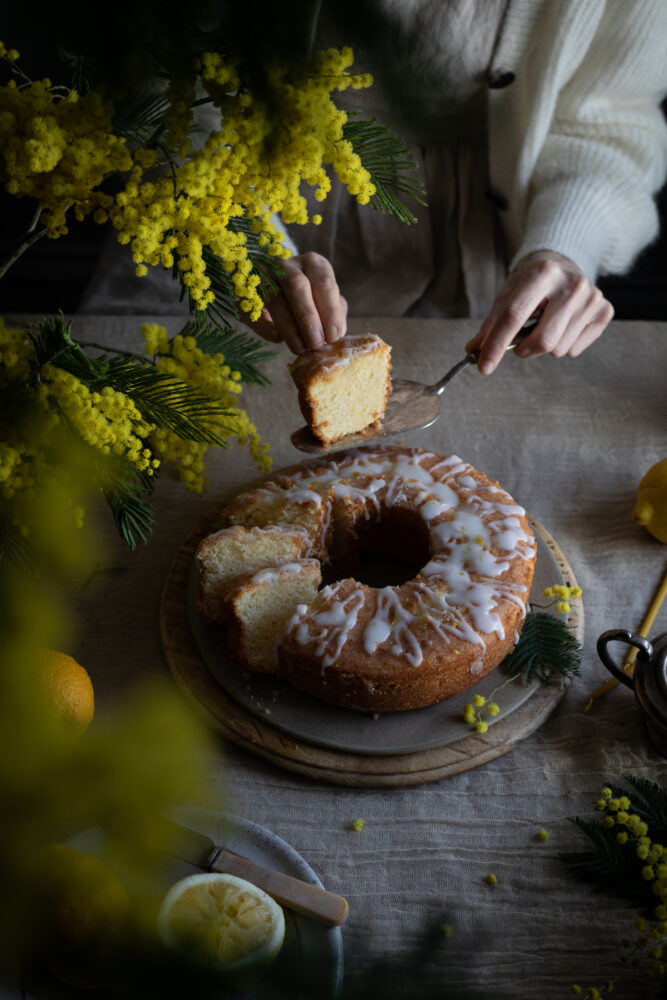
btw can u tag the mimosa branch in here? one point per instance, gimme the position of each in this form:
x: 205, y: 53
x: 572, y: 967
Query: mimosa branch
x: 31, y: 235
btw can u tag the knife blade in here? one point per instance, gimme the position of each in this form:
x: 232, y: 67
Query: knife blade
x: 202, y: 852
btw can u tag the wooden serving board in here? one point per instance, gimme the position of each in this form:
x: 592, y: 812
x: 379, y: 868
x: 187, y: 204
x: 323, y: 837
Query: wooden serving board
x: 258, y: 736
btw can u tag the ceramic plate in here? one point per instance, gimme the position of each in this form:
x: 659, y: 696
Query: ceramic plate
x: 315, y: 952
x: 311, y: 953
x: 305, y: 718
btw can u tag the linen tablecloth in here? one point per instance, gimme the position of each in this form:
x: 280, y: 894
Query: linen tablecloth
x: 570, y: 440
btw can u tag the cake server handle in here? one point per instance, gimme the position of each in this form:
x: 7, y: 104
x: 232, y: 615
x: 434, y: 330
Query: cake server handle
x: 473, y: 357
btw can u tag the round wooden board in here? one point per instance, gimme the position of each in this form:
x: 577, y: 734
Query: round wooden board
x: 240, y: 726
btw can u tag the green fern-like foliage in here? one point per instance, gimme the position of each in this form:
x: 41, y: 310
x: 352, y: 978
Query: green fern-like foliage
x: 649, y: 802
x: 388, y: 161
x: 15, y: 548
x: 243, y: 352
x: 546, y: 649
x: 127, y: 494
x: 612, y: 867
x: 85, y: 71
x: 54, y: 345
x: 140, y: 119
x: 169, y: 402
x: 162, y: 399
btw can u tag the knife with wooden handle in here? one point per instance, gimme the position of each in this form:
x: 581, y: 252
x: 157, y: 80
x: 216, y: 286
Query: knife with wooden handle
x: 200, y: 851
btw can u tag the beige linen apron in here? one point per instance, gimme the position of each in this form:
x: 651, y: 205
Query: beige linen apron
x: 452, y: 261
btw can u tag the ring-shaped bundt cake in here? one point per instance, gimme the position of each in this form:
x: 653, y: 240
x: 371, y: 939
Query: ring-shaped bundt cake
x: 396, y: 647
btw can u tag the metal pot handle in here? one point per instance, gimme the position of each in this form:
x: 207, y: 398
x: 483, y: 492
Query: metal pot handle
x: 622, y: 635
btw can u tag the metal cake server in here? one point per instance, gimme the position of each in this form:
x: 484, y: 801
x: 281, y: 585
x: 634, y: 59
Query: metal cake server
x: 411, y: 406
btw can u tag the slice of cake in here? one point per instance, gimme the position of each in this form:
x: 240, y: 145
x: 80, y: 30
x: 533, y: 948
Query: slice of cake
x: 278, y: 505
x: 226, y: 554
x: 343, y: 387
x: 257, y: 607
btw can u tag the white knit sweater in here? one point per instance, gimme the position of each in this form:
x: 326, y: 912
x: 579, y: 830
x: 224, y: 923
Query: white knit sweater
x: 578, y: 143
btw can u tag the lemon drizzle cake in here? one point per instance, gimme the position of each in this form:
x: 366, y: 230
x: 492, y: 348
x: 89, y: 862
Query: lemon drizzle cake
x: 392, y: 648
x: 396, y: 648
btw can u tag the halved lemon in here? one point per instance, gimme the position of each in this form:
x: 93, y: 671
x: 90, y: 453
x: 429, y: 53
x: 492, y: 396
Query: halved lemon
x: 222, y: 921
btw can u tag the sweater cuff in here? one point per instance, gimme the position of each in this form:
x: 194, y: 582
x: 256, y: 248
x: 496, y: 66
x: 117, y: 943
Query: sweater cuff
x: 574, y: 218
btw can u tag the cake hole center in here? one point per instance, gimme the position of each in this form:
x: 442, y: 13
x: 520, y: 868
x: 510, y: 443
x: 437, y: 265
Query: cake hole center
x: 371, y: 569
x: 386, y: 552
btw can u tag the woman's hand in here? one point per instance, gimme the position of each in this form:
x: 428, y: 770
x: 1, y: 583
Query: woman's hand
x: 574, y: 311
x: 307, y: 311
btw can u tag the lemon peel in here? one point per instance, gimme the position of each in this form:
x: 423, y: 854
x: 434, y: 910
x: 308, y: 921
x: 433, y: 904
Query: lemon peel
x: 651, y: 504
x: 222, y: 921
x: 67, y: 687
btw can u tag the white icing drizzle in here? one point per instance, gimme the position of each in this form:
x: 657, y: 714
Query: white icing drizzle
x: 337, y: 355
x: 330, y: 628
x: 474, y: 541
x: 272, y: 574
x: 477, y: 597
x: 275, y: 493
x: 266, y: 494
x: 392, y: 624
x: 343, y: 491
x: 446, y: 619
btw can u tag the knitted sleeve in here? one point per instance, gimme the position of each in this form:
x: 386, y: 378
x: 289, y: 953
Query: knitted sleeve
x: 605, y: 155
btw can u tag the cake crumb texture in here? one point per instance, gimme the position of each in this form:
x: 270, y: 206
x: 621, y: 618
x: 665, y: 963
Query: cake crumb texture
x: 224, y: 555
x: 259, y: 606
x: 343, y: 387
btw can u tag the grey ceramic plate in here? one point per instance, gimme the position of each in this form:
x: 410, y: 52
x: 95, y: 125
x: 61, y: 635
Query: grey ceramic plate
x: 311, y: 956
x: 315, y: 722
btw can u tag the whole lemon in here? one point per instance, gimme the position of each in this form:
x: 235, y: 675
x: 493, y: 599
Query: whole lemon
x: 68, y: 687
x: 651, y: 506
x: 84, y: 916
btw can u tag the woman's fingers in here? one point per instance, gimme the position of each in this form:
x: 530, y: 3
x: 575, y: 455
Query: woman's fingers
x: 593, y: 330
x: 516, y: 302
x: 574, y: 312
x: 265, y: 328
x: 305, y: 322
x: 556, y: 318
x: 326, y: 296
x: 307, y: 310
x: 287, y: 326
x: 578, y: 321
